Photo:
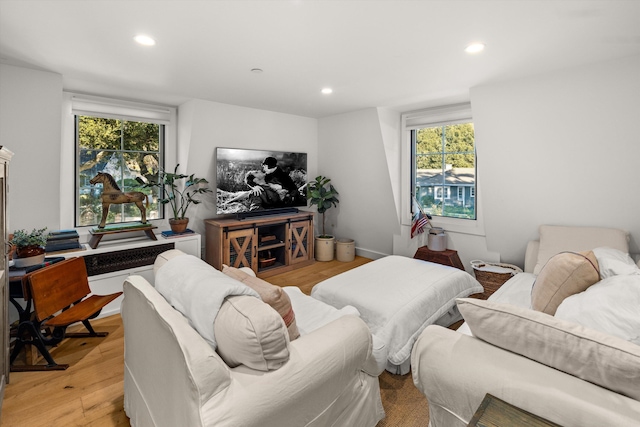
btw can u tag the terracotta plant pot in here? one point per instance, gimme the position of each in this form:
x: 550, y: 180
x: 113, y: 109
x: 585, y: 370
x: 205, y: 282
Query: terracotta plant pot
x: 29, y: 255
x: 178, y: 225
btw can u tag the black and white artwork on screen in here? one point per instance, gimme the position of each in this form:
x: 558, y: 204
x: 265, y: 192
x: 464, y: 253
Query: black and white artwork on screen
x: 259, y: 180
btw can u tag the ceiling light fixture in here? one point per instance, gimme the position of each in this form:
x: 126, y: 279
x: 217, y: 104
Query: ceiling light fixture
x: 474, y: 48
x: 256, y: 70
x: 144, y: 40
x: 327, y: 90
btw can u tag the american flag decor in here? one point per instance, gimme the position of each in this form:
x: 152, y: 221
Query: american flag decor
x: 419, y: 220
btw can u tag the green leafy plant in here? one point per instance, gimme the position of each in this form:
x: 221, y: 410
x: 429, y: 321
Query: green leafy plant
x: 322, y: 194
x: 180, y: 190
x: 22, y: 239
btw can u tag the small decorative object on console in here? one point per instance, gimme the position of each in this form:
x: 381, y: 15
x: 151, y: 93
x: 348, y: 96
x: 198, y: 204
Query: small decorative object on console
x: 437, y: 240
x: 29, y: 246
x: 112, y: 195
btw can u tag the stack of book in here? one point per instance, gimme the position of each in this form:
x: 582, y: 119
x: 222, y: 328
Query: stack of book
x: 170, y: 234
x: 63, y: 241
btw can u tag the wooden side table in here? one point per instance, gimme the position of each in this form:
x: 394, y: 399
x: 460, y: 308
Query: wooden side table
x: 494, y: 412
x: 447, y: 257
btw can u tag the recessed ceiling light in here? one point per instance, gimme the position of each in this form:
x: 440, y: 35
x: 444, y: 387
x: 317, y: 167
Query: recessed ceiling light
x: 256, y: 70
x: 474, y: 48
x: 144, y: 40
x: 327, y: 90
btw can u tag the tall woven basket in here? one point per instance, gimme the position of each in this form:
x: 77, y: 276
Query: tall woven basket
x: 492, y: 275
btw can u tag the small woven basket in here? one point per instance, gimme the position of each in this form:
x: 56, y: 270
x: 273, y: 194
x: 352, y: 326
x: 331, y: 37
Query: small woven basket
x: 492, y: 280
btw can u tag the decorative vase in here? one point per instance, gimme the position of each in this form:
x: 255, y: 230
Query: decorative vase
x: 325, y: 248
x: 345, y: 250
x: 178, y: 225
x: 29, y: 255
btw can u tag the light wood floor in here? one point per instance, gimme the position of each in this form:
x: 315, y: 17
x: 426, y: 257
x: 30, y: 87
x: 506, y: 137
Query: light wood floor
x: 90, y: 391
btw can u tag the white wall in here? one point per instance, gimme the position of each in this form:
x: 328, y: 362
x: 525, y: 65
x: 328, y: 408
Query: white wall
x: 30, y: 126
x: 558, y: 148
x: 352, y: 153
x: 205, y: 125
x: 561, y: 148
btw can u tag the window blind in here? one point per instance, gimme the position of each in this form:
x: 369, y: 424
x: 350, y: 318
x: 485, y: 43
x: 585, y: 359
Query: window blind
x: 438, y: 116
x: 125, y: 110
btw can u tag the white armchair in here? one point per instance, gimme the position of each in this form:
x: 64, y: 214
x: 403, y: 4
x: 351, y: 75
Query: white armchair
x: 174, y: 377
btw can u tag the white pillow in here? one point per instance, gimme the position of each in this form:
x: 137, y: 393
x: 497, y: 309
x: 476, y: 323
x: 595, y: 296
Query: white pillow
x: 599, y: 358
x: 613, y: 262
x: 611, y: 306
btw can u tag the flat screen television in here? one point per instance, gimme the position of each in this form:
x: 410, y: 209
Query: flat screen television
x: 259, y: 182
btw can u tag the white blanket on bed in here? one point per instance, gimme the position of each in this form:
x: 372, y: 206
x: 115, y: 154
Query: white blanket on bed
x: 197, y: 290
x: 398, y: 297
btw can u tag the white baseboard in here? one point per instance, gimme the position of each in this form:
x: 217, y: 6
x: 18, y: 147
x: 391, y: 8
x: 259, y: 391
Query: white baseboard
x: 369, y: 253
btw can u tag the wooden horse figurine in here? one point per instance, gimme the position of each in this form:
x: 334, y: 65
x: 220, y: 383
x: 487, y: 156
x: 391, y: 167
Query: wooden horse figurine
x: 112, y: 195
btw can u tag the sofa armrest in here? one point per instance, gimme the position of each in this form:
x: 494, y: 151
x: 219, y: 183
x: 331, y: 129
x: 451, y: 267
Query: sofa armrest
x: 165, y: 359
x: 455, y: 371
x: 325, y: 366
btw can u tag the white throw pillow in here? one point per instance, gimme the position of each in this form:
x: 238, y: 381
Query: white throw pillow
x: 613, y: 262
x: 599, y: 358
x: 611, y: 306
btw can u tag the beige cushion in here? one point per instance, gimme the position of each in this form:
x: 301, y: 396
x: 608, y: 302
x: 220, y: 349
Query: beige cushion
x: 555, y: 239
x: 251, y: 333
x: 564, y: 275
x: 271, y: 294
x: 593, y: 356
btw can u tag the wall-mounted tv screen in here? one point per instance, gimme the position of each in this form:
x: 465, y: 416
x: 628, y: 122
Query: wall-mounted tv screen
x: 259, y: 181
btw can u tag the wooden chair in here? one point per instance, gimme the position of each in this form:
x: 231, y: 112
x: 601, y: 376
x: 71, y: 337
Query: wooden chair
x: 59, y: 294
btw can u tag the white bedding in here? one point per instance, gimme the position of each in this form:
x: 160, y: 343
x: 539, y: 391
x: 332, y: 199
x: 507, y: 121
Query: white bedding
x: 516, y: 291
x: 318, y: 314
x: 398, y: 297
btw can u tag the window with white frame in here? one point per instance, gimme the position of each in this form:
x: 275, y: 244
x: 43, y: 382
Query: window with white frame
x: 443, y: 160
x: 125, y: 140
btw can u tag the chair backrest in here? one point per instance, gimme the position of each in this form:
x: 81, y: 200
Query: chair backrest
x: 58, y: 286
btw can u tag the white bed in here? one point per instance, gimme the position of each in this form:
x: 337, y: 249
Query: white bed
x: 398, y: 297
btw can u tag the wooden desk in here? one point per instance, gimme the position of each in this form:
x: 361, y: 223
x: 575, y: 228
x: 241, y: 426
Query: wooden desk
x: 447, y: 257
x: 19, y: 289
x: 494, y: 412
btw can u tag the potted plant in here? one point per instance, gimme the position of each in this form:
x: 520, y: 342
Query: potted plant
x: 29, y: 246
x: 179, y: 191
x: 324, y: 195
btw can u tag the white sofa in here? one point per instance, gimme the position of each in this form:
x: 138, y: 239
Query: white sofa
x: 552, y: 366
x: 174, y: 377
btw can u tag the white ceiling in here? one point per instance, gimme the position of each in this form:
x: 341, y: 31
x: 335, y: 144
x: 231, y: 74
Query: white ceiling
x: 396, y: 54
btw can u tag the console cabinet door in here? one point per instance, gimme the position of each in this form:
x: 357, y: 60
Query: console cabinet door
x: 300, y: 242
x: 241, y: 249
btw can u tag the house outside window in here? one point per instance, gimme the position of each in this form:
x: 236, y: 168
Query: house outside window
x: 444, y: 161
